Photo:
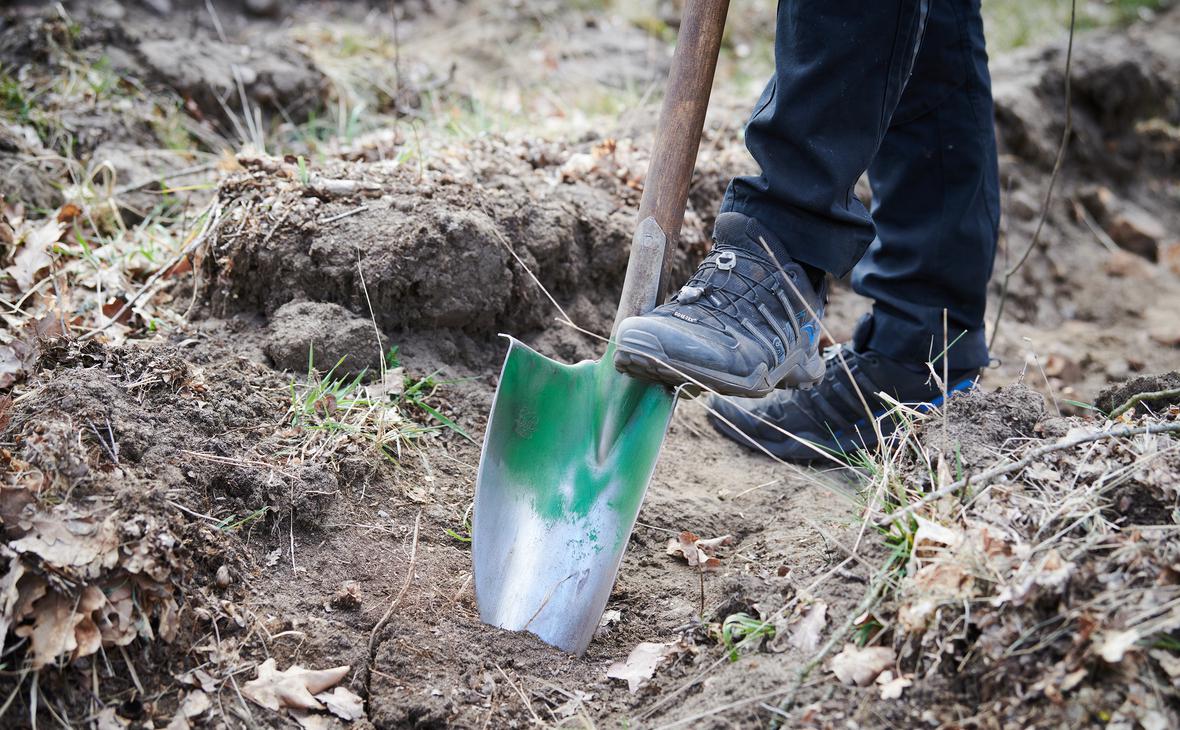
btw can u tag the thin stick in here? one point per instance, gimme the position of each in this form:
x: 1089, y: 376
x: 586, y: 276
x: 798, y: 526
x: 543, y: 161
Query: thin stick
x: 400, y: 594
x: 342, y: 216
x: 1140, y: 397
x: 508, y: 247
x: 1073, y: 5
x: 1029, y: 458
x: 524, y: 698
x: 372, y: 316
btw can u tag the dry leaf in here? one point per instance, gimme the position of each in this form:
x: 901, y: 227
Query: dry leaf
x: 570, y: 707
x: 313, y: 721
x: 343, y: 703
x: 67, y: 540
x: 932, y: 539
x: 698, y: 552
x: 932, y: 586
x: 1168, y: 662
x: 108, y: 720
x: 68, y: 212
x: 33, y: 255
x: 52, y: 633
x: 861, y: 667
x: 194, y: 704
x: 16, y: 362
x: 1113, y: 645
x: 892, y: 687
x: 292, y: 687
x: 804, y: 634
x: 640, y: 664
x: 8, y: 596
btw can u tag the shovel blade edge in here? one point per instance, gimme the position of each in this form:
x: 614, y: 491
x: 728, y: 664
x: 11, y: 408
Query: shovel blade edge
x: 567, y: 458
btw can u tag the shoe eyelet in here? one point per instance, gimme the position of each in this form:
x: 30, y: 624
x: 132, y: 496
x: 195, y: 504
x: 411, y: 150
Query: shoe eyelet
x: 726, y: 260
x: 792, y: 276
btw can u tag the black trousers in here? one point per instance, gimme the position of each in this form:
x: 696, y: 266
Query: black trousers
x: 899, y: 88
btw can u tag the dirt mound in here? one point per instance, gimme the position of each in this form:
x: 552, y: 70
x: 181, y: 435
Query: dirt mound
x: 433, y: 249
x: 1146, y: 387
x: 1050, y: 572
x: 186, y: 53
x: 981, y: 425
x: 102, y: 553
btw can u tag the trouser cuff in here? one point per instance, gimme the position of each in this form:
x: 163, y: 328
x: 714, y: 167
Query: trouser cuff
x: 908, y: 341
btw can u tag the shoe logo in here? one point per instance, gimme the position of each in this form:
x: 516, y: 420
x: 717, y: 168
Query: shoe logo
x: 779, y: 349
x: 685, y: 317
x: 809, y: 328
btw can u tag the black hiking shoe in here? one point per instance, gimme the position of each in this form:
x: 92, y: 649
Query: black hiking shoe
x: 830, y: 416
x: 737, y: 327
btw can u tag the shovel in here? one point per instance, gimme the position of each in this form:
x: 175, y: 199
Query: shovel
x: 570, y: 449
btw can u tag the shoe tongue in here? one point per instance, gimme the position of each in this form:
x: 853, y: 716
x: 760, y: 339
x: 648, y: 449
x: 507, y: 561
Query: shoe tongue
x: 729, y: 230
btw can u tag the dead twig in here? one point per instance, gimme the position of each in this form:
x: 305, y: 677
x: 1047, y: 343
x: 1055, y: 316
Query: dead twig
x: 524, y: 698
x: 400, y: 594
x: 1028, y: 458
x: 1141, y: 397
x: 1036, y: 237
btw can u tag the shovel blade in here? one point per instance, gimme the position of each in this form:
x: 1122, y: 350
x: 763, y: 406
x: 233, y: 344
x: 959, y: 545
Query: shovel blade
x: 566, y: 460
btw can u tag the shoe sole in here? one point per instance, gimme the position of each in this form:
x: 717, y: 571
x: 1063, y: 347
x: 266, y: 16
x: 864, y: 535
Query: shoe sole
x: 641, y: 355
x: 787, y: 448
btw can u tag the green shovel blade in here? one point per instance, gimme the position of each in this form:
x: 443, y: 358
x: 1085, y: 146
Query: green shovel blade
x: 567, y: 457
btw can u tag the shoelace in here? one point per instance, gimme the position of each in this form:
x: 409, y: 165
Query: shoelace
x: 700, y: 295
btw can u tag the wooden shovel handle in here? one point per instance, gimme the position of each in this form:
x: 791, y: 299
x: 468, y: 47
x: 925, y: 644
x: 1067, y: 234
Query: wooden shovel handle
x: 678, y: 136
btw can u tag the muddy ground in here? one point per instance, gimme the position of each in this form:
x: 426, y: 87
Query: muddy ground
x: 260, y: 197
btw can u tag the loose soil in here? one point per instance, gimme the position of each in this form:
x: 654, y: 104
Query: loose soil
x: 290, y: 537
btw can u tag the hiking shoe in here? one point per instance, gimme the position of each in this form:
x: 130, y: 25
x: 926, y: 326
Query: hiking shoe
x: 737, y: 327
x: 831, y: 416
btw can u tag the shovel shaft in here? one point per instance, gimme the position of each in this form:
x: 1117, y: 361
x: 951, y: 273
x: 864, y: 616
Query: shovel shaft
x: 678, y: 136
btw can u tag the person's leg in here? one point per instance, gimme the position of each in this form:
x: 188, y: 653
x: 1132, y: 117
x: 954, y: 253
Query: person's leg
x: 935, y: 208
x: 936, y: 202
x: 744, y: 324
x: 840, y: 68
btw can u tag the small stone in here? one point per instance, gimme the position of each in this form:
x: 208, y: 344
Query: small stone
x: 1098, y: 201
x: 1169, y: 254
x: 1022, y: 205
x: 263, y: 8
x: 1137, y: 231
x: 1117, y: 371
x: 348, y: 598
x: 1126, y: 265
x: 1167, y: 335
x: 223, y: 578
x: 1063, y: 367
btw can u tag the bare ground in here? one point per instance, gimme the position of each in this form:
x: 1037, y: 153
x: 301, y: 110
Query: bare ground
x: 285, y: 523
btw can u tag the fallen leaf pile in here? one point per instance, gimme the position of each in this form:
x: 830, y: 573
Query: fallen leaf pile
x: 697, y: 551
x: 81, y: 268
x: 1053, y: 578
x: 77, y: 581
